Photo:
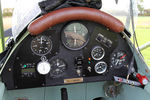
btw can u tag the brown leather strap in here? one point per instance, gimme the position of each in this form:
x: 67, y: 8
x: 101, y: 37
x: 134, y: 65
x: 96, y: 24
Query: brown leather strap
x: 74, y: 13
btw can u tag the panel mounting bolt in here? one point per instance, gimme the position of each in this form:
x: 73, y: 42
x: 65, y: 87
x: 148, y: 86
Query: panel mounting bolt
x: 9, y: 69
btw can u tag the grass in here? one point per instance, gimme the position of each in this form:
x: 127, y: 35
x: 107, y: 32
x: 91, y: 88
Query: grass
x: 142, y: 30
x: 7, y: 24
x: 143, y: 35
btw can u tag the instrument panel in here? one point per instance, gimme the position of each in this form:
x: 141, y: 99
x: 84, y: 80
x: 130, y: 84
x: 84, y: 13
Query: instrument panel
x: 68, y: 53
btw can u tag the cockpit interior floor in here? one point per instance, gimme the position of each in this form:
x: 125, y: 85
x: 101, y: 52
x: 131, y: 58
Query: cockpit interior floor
x: 84, y: 91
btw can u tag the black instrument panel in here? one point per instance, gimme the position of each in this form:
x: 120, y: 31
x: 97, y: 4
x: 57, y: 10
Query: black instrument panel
x: 71, y: 52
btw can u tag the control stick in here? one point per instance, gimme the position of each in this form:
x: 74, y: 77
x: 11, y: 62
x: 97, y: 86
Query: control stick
x: 64, y: 94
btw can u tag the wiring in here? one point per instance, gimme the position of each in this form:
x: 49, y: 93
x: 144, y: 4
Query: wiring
x: 135, y: 42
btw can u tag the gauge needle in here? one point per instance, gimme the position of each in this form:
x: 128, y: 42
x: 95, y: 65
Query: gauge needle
x: 61, y: 66
x: 75, y: 42
x: 116, y: 62
x: 75, y: 29
x: 122, y: 56
x: 41, y: 40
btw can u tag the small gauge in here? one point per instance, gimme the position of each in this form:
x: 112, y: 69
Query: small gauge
x: 75, y: 36
x: 58, y: 68
x: 100, y: 67
x: 97, y: 53
x: 118, y: 59
x: 41, y: 45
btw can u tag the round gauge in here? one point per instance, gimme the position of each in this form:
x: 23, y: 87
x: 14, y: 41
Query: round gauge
x: 41, y: 45
x: 75, y: 36
x: 118, y: 59
x: 97, y: 53
x: 100, y: 67
x: 58, y: 67
x: 43, y: 67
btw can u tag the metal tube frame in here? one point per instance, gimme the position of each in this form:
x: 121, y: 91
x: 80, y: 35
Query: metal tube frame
x: 144, y: 46
x: 1, y: 30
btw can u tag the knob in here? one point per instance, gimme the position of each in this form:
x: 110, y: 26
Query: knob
x: 43, y: 67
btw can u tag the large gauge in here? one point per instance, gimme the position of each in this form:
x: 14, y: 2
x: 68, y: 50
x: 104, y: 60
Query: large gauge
x: 97, y: 53
x: 58, y: 67
x: 41, y: 45
x: 100, y: 67
x: 75, y: 36
x: 118, y: 59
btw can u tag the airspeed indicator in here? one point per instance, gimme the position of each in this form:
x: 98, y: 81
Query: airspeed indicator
x: 41, y: 45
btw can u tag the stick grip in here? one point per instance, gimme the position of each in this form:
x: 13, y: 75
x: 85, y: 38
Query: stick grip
x: 64, y: 94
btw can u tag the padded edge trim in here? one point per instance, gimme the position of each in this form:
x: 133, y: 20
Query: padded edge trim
x: 74, y: 13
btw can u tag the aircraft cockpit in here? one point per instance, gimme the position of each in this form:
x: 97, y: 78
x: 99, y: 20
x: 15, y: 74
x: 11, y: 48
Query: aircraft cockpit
x: 71, y: 51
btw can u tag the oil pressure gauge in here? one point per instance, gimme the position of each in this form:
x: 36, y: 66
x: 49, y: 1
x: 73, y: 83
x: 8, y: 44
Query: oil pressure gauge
x: 100, y: 67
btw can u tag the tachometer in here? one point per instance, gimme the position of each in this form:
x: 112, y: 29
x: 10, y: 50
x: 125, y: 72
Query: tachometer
x: 41, y: 45
x: 75, y: 36
x: 118, y: 59
x: 58, y: 67
x: 97, y: 53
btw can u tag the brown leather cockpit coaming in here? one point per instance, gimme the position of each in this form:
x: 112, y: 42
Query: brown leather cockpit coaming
x: 74, y: 13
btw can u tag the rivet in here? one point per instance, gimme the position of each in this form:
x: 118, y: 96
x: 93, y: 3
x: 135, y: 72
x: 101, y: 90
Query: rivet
x: 9, y: 69
x: 146, y: 70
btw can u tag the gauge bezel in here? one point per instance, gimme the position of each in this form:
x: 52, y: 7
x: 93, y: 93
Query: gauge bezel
x: 97, y: 65
x: 63, y: 37
x: 51, y: 45
x: 102, y: 54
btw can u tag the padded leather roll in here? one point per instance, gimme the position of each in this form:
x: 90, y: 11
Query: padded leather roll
x: 74, y: 13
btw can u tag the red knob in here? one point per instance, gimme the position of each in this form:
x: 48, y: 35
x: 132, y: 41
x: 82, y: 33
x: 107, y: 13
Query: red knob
x: 142, y: 79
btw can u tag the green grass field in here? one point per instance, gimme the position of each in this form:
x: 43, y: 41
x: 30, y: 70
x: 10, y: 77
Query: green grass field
x: 142, y: 30
x: 143, y: 36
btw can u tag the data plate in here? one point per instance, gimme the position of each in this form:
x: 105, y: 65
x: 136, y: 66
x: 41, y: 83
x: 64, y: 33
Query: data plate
x: 73, y: 80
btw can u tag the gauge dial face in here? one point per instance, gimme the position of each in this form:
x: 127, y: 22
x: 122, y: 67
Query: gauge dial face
x: 100, y: 67
x: 41, y: 45
x: 43, y: 67
x: 97, y: 53
x: 58, y: 68
x: 118, y: 59
x: 75, y: 36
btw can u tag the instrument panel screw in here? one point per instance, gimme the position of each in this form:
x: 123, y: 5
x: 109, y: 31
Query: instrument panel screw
x: 17, y: 58
x: 9, y: 69
x: 107, y: 29
x: 146, y: 70
x: 56, y: 53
